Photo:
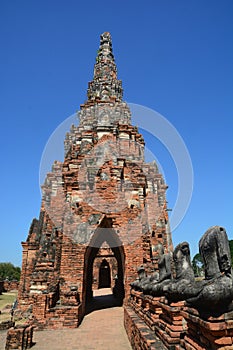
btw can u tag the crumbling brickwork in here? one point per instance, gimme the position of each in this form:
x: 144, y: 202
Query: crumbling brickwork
x: 104, y: 193
x: 19, y: 337
x: 150, y: 320
x: 10, y: 285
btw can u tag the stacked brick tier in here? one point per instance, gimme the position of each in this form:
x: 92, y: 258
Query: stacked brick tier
x: 141, y: 337
x: 146, y: 307
x: 163, y: 319
x: 171, y: 326
x: 210, y: 333
x: 176, y: 325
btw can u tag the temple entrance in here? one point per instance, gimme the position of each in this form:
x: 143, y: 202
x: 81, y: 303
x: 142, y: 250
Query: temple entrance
x: 104, y: 238
x: 104, y: 275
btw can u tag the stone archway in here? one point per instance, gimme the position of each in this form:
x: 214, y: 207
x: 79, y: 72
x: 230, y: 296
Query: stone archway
x: 104, y: 233
x: 104, y: 275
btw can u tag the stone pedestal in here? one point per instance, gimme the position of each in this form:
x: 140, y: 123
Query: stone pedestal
x: 207, y: 332
x: 163, y: 319
x: 135, y: 300
x: 149, y: 320
x: 152, y: 311
x: 146, y: 307
x: 141, y: 337
x: 171, y: 326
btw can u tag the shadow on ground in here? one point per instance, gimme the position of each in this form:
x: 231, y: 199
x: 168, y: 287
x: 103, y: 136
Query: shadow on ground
x: 102, y: 302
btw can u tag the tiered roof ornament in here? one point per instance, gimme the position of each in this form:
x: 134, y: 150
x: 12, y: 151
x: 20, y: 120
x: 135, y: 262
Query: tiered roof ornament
x: 104, y: 106
x: 105, y: 86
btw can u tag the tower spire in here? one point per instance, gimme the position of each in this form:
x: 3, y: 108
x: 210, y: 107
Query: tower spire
x: 105, y: 87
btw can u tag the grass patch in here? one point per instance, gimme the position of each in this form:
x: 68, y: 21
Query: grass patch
x: 7, y: 299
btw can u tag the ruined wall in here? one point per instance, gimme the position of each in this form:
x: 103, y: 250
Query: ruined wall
x: 10, y: 285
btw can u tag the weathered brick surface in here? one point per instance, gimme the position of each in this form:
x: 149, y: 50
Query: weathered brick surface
x: 7, y: 286
x: 10, y: 285
x: 165, y: 320
x: 19, y: 337
x: 209, y: 332
x: 103, y: 191
x: 146, y: 307
x: 171, y: 327
x: 141, y: 337
x: 181, y: 327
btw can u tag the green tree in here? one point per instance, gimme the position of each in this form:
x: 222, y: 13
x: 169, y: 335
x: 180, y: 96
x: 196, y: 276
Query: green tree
x: 198, y: 265
x: 9, y: 271
x: 197, y: 262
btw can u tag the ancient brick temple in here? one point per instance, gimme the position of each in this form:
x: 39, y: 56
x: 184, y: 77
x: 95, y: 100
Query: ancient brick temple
x: 103, y: 209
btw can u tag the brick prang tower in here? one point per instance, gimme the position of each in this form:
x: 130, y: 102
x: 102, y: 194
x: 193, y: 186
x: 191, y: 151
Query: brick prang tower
x: 103, y: 200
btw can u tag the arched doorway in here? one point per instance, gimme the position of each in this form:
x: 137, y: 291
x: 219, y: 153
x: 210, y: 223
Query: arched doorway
x: 104, y: 233
x: 104, y: 275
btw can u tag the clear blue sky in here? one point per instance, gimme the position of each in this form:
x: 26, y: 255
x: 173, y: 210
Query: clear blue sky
x: 175, y: 57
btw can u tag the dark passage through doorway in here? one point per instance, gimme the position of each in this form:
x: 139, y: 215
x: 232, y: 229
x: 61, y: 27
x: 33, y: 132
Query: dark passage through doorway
x: 104, y: 275
x: 115, y: 294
